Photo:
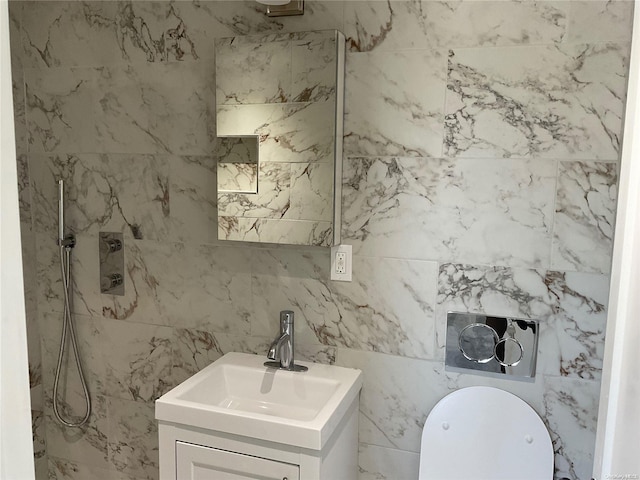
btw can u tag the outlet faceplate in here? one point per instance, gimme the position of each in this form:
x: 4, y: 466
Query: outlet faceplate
x: 341, y: 263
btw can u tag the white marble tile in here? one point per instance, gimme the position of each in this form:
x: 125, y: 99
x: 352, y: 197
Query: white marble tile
x: 155, y: 108
x: 562, y: 101
x: 266, y: 230
x: 24, y: 191
x: 423, y: 24
x: 49, y: 282
x: 245, y: 17
x: 146, y: 31
x: 44, y: 171
x: 599, y: 21
x: 253, y: 70
x: 237, y: 177
x: 133, y: 438
x: 272, y: 200
x: 495, y: 211
x: 59, y: 109
x: 241, y: 149
x: 137, y: 360
x: 193, y: 199
x: 313, y: 67
x: 571, y: 411
x: 39, y: 434
x: 294, y: 133
x: 396, y: 319
x: 275, y: 68
x: 87, y: 444
x: 571, y: 308
x: 388, y: 308
x: 19, y: 108
x: 85, y: 272
x: 396, y: 397
x: 388, y: 112
x: 192, y: 351
x: 67, y: 34
x: 140, y: 302
x: 103, y: 192
x: 89, y: 335
x: 377, y: 463
x: 41, y: 466
x: 36, y: 390
x: 572, y: 341
x: 585, y: 216
x: 311, y: 194
x: 17, y: 76
x: 210, y: 287
x: 285, y: 279
x: 143, y: 32
x: 63, y: 469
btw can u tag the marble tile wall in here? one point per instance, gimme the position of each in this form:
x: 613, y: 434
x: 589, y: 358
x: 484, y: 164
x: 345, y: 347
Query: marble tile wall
x: 482, y: 142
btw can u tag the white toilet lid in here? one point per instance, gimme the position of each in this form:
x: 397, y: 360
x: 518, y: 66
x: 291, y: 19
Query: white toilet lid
x: 484, y: 433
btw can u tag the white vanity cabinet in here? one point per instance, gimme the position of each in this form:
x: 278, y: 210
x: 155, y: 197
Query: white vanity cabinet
x: 195, y: 462
x: 237, y: 419
x: 188, y: 453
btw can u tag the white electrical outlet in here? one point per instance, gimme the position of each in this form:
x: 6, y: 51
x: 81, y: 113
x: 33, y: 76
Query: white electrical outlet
x: 341, y: 263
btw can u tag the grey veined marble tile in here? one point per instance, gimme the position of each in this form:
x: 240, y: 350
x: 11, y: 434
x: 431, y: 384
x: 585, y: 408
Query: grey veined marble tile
x: 395, y: 25
x: 561, y: 101
x: 494, y: 211
x: 571, y: 413
x: 397, y: 395
x: 571, y: 308
x: 133, y: 438
x: 59, y: 109
x: 585, y: 216
x: 390, y: 112
x: 600, y: 21
x: 128, y: 193
x: 396, y: 319
x: 379, y: 463
x: 155, y: 108
x: 137, y: 360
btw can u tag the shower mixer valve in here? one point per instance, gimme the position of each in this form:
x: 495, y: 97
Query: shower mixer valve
x: 111, y: 250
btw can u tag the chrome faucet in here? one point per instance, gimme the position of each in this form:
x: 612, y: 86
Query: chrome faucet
x: 281, y: 350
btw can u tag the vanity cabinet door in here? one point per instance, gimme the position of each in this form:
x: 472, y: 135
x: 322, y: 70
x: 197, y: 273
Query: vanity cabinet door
x: 195, y: 462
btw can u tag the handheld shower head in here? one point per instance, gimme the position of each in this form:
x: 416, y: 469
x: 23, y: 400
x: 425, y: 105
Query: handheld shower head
x: 67, y: 241
x: 60, y: 211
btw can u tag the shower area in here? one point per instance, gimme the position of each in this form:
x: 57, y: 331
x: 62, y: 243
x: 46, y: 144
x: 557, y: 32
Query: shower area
x: 481, y: 159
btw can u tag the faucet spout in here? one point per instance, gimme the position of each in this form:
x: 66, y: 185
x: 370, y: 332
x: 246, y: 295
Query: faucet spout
x: 277, y: 347
x: 281, y: 350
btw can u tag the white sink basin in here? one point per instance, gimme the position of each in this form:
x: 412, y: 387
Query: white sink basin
x: 238, y: 395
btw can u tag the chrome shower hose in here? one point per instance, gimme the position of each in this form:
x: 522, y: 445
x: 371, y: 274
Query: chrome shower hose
x: 67, y: 327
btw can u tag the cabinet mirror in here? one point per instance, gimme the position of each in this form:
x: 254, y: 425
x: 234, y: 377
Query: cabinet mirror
x: 279, y: 114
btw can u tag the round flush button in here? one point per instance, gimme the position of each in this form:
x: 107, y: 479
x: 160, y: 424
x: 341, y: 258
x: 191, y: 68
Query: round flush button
x: 508, y: 352
x: 477, y: 342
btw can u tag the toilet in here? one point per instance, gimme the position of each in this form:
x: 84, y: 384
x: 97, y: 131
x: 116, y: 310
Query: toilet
x: 484, y: 433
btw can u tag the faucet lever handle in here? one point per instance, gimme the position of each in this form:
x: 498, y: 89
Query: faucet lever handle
x: 286, y: 318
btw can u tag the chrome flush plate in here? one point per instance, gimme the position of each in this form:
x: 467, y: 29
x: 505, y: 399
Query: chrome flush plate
x: 505, y: 347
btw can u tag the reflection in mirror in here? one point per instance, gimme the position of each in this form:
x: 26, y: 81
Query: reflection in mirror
x: 284, y: 91
x: 238, y: 164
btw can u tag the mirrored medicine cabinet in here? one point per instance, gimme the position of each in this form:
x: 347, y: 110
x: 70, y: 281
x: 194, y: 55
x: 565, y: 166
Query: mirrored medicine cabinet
x: 279, y: 123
